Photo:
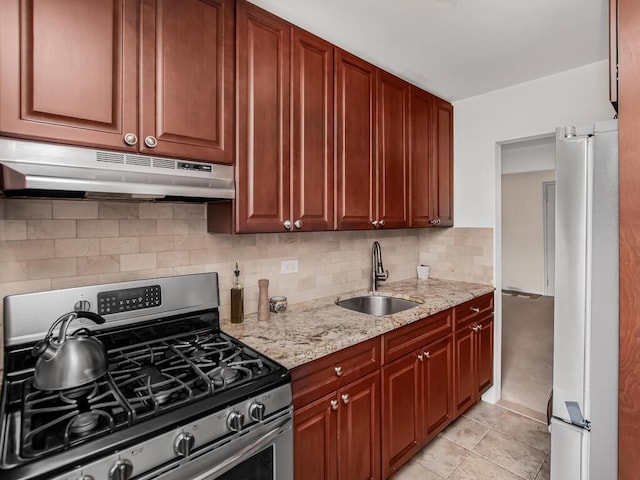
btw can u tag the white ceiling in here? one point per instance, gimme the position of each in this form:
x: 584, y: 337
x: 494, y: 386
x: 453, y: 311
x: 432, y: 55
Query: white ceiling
x: 459, y: 48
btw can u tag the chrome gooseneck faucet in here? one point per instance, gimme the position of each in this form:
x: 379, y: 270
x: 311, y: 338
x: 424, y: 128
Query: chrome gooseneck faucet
x: 377, y: 270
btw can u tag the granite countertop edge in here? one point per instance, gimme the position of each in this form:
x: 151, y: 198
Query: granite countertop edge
x: 310, y: 330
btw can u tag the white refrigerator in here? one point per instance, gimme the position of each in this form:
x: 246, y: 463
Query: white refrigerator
x: 584, y: 421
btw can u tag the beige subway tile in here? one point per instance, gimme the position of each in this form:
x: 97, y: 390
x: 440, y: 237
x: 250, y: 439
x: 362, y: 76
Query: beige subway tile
x: 97, y: 228
x: 92, y: 265
x: 205, y: 255
x: 197, y: 226
x: 118, y: 277
x: 27, y: 209
x: 25, y: 249
x: 13, y: 229
x: 482, y: 260
x: 157, y: 244
x: 108, y: 210
x: 13, y: 272
x: 119, y: 245
x: 137, y: 228
x: 138, y: 261
x: 173, y: 227
x: 28, y: 286
x: 75, y: 209
x: 173, y: 259
x: 188, y: 211
x: 156, y: 210
x: 77, y: 281
x: 51, y: 268
x: 76, y: 247
x: 43, y: 229
x: 189, y: 242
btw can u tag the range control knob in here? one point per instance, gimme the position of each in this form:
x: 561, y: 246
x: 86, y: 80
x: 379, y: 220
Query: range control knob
x: 256, y: 411
x: 183, y: 444
x: 121, y: 470
x: 235, y: 421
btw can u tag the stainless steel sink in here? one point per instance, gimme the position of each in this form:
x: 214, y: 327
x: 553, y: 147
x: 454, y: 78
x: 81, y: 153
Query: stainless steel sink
x: 376, y: 305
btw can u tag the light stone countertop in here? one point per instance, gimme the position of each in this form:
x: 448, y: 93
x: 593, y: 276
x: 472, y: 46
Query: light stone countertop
x: 310, y: 330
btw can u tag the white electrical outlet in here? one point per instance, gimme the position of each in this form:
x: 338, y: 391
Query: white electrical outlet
x: 289, y: 266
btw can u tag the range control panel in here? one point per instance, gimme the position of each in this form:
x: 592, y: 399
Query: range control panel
x: 129, y: 299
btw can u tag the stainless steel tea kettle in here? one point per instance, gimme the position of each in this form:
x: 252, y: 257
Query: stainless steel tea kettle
x: 67, y: 362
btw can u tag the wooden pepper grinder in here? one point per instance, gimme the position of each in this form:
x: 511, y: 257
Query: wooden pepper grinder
x: 263, y: 299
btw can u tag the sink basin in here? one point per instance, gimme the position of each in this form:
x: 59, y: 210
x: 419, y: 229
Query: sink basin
x: 376, y: 304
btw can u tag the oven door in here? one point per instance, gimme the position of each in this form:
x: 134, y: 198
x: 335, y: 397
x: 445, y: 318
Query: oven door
x: 263, y: 453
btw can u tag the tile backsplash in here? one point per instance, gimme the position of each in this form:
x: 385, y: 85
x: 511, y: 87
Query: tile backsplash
x: 51, y: 244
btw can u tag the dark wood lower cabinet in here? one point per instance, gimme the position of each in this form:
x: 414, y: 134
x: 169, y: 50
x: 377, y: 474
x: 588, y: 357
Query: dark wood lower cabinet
x: 338, y: 436
x: 484, y: 357
x: 437, y: 387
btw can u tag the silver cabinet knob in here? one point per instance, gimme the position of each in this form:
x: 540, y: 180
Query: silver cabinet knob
x: 130, y: 139
x: 437, y: 221
x: 432, y: 222
x: 150, y: 141
x: 287, y: 224
x: 381, y: 223
x: 256, y: 411
x: 427, y: 354
x: 121, y: 470
x: 475, y: 309
x: 334, y: 404
x: 420, y: 357
x: 345, y: 398
x: 375, y: 224
x: 298, y: 223
x: 235, y: 421
x: 338, y: 371
x: 183, y: 444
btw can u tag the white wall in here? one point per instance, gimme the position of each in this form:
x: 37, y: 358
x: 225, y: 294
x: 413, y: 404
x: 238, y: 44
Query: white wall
x: 523, y: 230
x: 529, y: 155
x: 574, y: 97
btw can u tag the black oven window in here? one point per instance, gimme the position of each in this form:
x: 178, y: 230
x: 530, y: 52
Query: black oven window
x: 258, y: 467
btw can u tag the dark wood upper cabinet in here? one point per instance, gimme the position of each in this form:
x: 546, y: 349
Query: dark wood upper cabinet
x: 442, y: 162
x: 356, y: 115
x: 70, y: 74
x: 68, y: 70
x: 312, y: 156
x: 263, y: 82
x: 186, y: 97
x: 420, y: 158
x: 393, y: 151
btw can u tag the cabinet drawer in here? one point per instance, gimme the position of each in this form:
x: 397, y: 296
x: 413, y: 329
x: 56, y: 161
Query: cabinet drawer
x: 410, y: 337
x: 473, y: 310
x: 315, y: 379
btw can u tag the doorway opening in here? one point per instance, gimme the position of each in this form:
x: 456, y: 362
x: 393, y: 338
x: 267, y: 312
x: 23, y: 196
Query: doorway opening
x: 527, y: 207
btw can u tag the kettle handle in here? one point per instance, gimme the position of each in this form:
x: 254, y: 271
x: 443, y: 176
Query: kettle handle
x: 70, y: 317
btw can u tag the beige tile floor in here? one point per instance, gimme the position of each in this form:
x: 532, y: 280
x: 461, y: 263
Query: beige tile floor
x: 487, y: 443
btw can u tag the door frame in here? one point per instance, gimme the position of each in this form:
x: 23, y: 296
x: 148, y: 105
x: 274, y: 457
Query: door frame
x: 545, y: 227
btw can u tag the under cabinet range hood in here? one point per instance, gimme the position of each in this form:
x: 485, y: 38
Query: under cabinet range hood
x: 48, y: 170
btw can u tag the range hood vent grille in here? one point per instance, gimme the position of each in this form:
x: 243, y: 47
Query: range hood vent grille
x: 109, y: 157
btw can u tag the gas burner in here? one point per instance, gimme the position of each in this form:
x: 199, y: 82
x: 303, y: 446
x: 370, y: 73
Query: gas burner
x: 76, y: 394
x: 84, y: 423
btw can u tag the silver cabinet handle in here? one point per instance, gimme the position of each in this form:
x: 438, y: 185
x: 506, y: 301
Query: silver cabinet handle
x: 432, y: 222
x: 150, y: 141
x: 475, y: 309
x: 334, y: 404
x: 381, y: 222
x: 375, y: 224
x: 427, y: 354
x: 287, y: 224
x: 338, y: 371
x: 420, y: 357
x: 298, y: 223
x: 345, y: 398
x: 437, y: 221
x: 130, y: 139
x: 477, y: 328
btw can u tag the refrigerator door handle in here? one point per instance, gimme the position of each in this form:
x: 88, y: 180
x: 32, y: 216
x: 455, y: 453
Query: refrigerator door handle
x: 576, y: 416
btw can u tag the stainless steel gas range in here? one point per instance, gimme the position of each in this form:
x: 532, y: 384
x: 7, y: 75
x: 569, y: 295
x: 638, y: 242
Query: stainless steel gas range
x: 180, y: 399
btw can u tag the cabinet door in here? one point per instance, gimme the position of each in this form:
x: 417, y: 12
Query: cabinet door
x: 186, y: 101
x: 442, y: 162
x: 68, y: 70
x: 401, y: 430
x: 393, y: 151
x: 465, y: 386
x: 484, y: 342
x: 314, y: 440
x: 356, y: 140
x: 359, y: 430
x: 262, y: 166
x: 437, y: 387
x: 419, y: 158
x: 312, y: 129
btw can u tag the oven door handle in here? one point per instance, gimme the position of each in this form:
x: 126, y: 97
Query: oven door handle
x: 235, y: 458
